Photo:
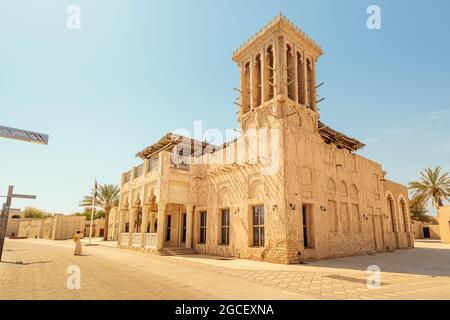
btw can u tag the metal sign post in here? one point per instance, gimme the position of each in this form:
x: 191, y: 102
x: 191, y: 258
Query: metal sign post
x: 4, y: 219
x: 23, y: 135
x: 5, y: 214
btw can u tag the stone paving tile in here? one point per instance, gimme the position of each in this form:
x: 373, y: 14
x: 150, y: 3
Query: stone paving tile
x: 353, y: 285
x: 38, y: 270
x: 309, y: 282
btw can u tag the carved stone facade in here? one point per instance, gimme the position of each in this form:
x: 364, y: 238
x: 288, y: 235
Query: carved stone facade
x: 288, y: 189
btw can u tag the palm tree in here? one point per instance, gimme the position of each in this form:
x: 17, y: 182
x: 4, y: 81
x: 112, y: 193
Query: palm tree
x: 433, y: 185
x: 107, y: 198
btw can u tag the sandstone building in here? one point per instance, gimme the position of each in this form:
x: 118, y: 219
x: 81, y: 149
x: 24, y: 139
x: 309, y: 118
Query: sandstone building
x: 289, y: 188
x: 98, y: 228
x: 444, y: 223
x: 15, y: 216
x: 31, y: 228
x: 56, y: 227
x: 426, y: 230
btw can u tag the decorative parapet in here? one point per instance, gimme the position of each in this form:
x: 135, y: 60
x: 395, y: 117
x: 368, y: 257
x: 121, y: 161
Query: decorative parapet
x: 153, y: 165
x: 136, y: 239
x: 139, y: 171
x: 150, y: 240
x: 124, y: 238
x: 127, y: 177
x: 180, y: 162
x: 279, y: 19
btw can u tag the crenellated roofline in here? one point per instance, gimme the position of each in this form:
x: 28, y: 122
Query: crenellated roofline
x: 281, y: 22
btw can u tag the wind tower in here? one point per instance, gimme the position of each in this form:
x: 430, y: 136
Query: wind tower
x: 277, y: 74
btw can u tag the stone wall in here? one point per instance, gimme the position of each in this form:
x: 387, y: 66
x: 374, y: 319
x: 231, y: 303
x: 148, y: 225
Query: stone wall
x: 31, y: 228
x: 418, y: 233
x: 61, y: 227
x: 15, y: 216
x: 444, y: 223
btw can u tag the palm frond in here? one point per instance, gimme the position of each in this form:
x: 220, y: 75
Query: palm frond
x: 434, y: 186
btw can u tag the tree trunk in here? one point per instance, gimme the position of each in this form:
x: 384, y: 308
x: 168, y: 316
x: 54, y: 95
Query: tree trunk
x: 105, y: 236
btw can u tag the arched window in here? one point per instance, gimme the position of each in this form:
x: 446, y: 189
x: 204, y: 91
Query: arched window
x: 301, y: 86
x: 355, y: 214
x: 269, y: 78
x: 404, y: 213
x: 332, y: 213
x: 391, y: 213
x: 245, y: 94
x: 343, y: 189
x: 331, y: 187
x: 257, y: 79
x: 290, y: 66
x: 311, y: 87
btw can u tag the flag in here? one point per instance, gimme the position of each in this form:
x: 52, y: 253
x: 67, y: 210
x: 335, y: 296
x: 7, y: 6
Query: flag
x: 95, y: 188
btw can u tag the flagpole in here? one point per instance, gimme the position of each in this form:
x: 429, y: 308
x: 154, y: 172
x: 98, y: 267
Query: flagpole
x: 92, y: 212
x: 92, y: 219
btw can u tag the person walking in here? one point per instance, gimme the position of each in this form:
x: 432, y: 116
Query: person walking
x: 77, y: 239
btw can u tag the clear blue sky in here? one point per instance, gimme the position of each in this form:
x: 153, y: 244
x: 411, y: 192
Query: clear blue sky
x: 138, y: 69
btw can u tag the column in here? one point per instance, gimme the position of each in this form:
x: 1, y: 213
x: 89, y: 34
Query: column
x: 189, y: 220
x: 296, y: 66
x: 152, y: 221
x: 281, y: 66
x: 312, y: 79
x: 161, y: 225
x: 264, y: 70
x: 145, y: 213
x: 122, y: 215
x: 303, y: 83
x: 121, y: 220
x: 251, y: 81
x: 132, y: 224
x: 242, y: 89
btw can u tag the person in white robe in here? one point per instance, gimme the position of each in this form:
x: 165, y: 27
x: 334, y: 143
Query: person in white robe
x: 77, y: 239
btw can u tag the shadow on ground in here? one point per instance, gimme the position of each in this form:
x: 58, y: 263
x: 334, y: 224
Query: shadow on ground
x: 21, y: 263
x: 428, y: 258
x: 417, y: 261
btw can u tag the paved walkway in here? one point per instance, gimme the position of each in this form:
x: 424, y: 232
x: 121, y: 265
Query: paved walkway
x: 37, y: 269
x: 110, y: 273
